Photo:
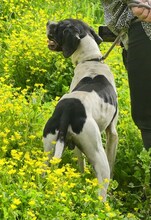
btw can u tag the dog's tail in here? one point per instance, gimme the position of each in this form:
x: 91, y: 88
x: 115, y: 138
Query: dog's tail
x: 63, y: 128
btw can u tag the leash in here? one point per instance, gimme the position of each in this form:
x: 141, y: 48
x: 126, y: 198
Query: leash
x: 135, y: 3
x: 131, y: 3
x: 117, y: 40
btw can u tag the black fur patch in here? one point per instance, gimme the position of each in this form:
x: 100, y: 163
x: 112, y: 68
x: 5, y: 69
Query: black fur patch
x: 67, y: 33
x: 67, y: 112
x: 101, y: 86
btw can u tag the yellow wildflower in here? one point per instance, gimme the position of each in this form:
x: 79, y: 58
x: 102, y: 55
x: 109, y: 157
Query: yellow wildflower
x: 16, y: 201
x: 55, y: 161
x: 83, y: 215
x: 11, y: 171
x: 111, y: 215
x: 32, y: 137
x: 53, y: 142
x: 106, y: 180
x: 31, y: 214
x: 63, y: 194
x: 31, y: 202
x: 100, y: 198
x: 107, y: 207
x: 13, y: 206
x: 2, y: 161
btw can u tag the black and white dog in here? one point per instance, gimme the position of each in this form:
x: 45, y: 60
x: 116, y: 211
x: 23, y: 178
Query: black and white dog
x: 91, y: 105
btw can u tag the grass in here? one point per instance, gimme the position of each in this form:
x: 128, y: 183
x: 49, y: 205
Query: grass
x: 31, y: 81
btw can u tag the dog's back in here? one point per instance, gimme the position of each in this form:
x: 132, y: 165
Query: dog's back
x: 91, y: 105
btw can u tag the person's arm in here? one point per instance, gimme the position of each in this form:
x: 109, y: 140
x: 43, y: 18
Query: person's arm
x: 143, y: 13
x: 117, y: 14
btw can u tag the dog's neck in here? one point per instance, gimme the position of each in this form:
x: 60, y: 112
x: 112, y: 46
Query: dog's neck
x: 87, y: 50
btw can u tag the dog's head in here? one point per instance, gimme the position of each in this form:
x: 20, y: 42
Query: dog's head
x: 65, y: 35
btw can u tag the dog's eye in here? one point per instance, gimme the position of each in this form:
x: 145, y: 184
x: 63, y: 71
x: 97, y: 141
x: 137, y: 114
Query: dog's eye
x: 50, y: 37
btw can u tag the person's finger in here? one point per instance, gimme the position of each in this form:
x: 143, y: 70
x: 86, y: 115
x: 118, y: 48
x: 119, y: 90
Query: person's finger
x: 144, y: 14
x: 137, y: 11
x: 148, y: 18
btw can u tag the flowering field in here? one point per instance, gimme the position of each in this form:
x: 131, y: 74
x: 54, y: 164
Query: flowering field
x: 31, y: 81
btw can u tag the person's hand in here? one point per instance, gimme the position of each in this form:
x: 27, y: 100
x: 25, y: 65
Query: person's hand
x: 144, y: 14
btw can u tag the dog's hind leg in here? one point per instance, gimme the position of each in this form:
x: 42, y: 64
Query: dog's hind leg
x: 91, y: 145
x: 59, y: 149
x: 111, y: 144
x: 49, y: 143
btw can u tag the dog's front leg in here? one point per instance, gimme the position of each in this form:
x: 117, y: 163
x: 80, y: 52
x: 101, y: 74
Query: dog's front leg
x: 81, y: 159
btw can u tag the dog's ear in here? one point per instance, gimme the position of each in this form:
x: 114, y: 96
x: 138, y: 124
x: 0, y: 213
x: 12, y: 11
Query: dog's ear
x: 70, y: 41
x: 97, y: 38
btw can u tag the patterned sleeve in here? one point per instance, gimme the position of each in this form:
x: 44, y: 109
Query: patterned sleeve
x: 117, y: 15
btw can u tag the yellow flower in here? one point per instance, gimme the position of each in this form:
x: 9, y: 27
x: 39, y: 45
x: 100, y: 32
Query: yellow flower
x: 95, y: 182
x: 71, y: 185
x: 16, y: 155
x: 27, y: 156
x: 59, y: 171
x: 13, y: 206
x: 82, y: 191
x: 57, y: 98
x: 3, y: 134
x: 55, y: 161
x: 31, y: 214
x: 53, y: 142
x: 31, y: 202
x: 87, y: 198
x: 100, y: 198
x: 5, y: 141
x: 63, y: 194
x: 32, y: 137
x: 107, y: 207
x: 86, y: 170
x: 21, y: 172
x: 16, y: 201
x: 111, y: 214
x: 39, y: 170
x: 17, y: 135
x: 106, y: 180
x: 130, y: 215
x: 2, y: 161
x: 11, y: 171
x: 25, y: 185
x: 4, y: 149
x: 70, y: 173
x: 83, y: 215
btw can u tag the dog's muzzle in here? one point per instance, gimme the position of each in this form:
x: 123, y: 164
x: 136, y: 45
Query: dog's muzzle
x: 52, y: 45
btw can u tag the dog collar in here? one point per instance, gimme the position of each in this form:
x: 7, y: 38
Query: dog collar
x: 100, y: 59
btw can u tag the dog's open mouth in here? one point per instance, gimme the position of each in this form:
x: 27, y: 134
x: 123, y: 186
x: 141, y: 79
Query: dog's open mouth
x: 52, y: 45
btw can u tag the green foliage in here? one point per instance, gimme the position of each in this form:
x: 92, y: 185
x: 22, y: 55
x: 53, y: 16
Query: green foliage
x: 31, y: 74
x: 24, y: 53
x: 60, y: 195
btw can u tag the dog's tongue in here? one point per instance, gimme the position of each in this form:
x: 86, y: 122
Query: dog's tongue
x: 51, y: 43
